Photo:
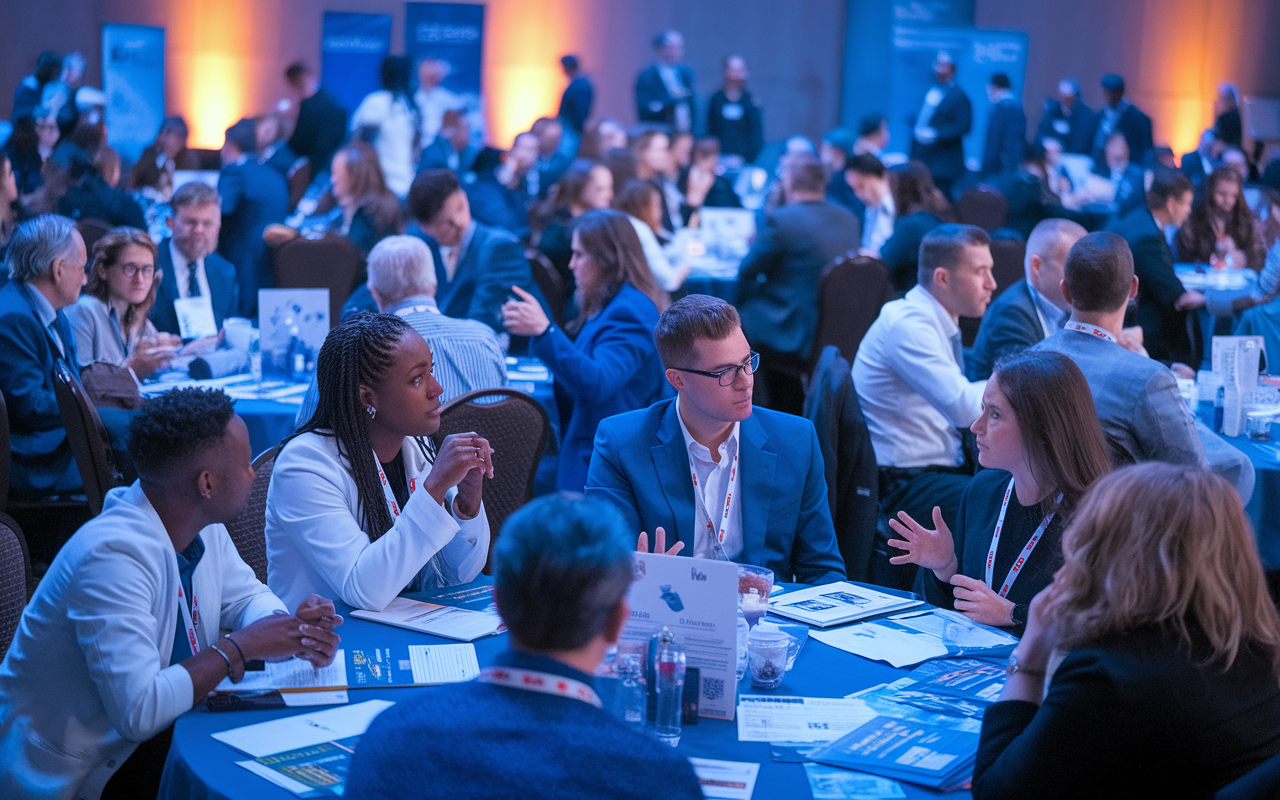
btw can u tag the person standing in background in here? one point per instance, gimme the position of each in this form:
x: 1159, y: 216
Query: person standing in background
x: 432, y: 99
x: 322, y: 123
x: 664, y: 91
x: 575, y: 103
x: 733, y: 116
x: 1068, y: 120
x: 940, y: 127
x: 1006, y: 128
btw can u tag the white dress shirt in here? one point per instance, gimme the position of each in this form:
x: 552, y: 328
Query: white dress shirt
x: 315, y: 542
x: 664, y: 272
x: 48, y: 316
x: 182, y: 271
x: 713, y: 479
x: 879, y: 224
x: 89, y: 675
x: 911, y: 384
x: 924, y: 132
x: 397, y: 126
x: 432, y: 103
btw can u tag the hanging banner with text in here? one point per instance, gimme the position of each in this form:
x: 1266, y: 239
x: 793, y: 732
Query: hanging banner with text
x: 133, y: 81
x: 452, y: 33
x: 352, y: 47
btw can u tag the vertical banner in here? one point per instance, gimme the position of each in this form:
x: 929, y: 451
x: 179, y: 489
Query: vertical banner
x: 133, y: 81
x: 352, y: 47
x: 452, y: 33
x: 978, y: 54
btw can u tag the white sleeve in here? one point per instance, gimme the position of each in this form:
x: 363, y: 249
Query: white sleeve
x: 245, y: 599
x: 919, y: 355
x: 664, y: 272
x: 373, y: 110
x: 461, y: 560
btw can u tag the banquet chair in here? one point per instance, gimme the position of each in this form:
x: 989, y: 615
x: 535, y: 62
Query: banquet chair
x: 1008, y: 255
x: 549, y: 282
x: 15, y: 579
x: 983, y: 206
x: 299, y: 178
x: 88, y: 438
x: 1260, y: 783
x: 851, y: 292
x: 249, y: 530
x: 330, y: 262
x: 518, y: 428
x: 91, y: 230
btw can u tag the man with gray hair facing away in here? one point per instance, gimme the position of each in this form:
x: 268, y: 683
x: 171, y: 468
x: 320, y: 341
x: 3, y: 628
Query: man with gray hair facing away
x: 46, y: 267
x: 402, y: 281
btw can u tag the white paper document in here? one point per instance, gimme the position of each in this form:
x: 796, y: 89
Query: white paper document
x: 775, y: 718
x: 195, y: 317
x: 292, y: 674
x: 954, y: 629
x: 895, y: 647
x: 303, y: 730
x: 443, y: 663
x: 462, y: 624
x: 278, y: 778
x: 834, y: 603
x: 730, y: 780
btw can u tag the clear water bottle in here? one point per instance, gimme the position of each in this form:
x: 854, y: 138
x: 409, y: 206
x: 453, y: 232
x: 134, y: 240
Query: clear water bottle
x: 744, y: 630
x: 668, y: 667
x: 632, y: 698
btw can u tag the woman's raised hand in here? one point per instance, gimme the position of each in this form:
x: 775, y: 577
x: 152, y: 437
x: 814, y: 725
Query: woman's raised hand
x: 931, y: 549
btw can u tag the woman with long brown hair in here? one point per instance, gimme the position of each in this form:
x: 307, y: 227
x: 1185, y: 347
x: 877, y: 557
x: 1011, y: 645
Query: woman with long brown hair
x: 1168, y: 683
x: 1042, y: 446
x: 611, y: 365
x: 585, y: 186
x: 1221, y: 225
x: 641, y: 201
x: 110, y: 320
x: 919, y: 208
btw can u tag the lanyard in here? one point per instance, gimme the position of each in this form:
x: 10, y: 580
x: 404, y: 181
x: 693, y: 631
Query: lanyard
x: 423, y: 309
x: 1021, y: 561
x: 543, y: 682
x: 728, y: 504
x: 1092, y: 330
x: 190, y: 616
x: 386, y: 488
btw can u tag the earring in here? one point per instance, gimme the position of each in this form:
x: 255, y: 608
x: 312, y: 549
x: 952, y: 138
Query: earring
x: 373, y: 412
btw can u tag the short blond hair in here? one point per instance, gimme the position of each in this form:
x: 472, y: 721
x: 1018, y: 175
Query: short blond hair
x: 400, y: 267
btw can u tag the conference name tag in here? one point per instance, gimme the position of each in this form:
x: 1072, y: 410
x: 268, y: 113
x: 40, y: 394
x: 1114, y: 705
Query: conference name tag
x: 195, y: 317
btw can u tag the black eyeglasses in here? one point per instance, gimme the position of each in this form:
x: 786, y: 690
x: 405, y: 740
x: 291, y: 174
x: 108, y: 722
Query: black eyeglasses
x: 726, y: 377
x: 130, y: 270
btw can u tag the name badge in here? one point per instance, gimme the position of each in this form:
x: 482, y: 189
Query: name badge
x: 195, y: 317
x: 731, y: 111
x: 1062, y: 126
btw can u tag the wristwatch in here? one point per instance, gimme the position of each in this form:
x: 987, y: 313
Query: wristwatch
x: 1015, y: 667
x: 1018, y: 615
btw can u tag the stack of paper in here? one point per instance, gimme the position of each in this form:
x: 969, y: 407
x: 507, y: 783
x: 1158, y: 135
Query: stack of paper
x: 930, y: 755
x: 906, y: 639
x: 778, y: 718
x: 835, y: 603
x: 446, y: 621
x: 358, y: 668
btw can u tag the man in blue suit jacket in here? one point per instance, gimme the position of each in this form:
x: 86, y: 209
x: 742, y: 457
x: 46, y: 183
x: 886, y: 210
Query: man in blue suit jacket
x: 1006, y: 128
x: 944, y: 120
x: 190, y: 267
x: 253, y: 196
x: 728, y: 480
x: 46, y: 262
x: 664, y: 91
x: 1121, y: 116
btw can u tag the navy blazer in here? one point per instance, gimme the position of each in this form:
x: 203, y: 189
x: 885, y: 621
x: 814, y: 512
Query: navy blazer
x: 253, y: 196
x: 482, y: 282
x: 1136, y: 127
x: 1075, y: 130
x: 1010, y: 325
x: 951, y: 119
x: 575, y: 103
x: 611, y: 367
x: 1164, y: 327
x: 654, y: 103
x: 41, y: 454
x: 641, y: 464
x: 1006, y: 136
x: 223, y: 289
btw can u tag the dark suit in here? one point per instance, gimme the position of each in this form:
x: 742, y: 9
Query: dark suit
x: 1031, y: 202
x: 1137, y: 714
x: 441, y: 154
x: 1164, y: 329
x: 1131, y: 192
x: 1136, y: 127
x: 901, y: 251
x: 1006, y: 136
x: 498, y: 205
x: 945, y: 155
x: 223, y: 289
x: 738, y: 125
x: 253, y: 196
x: 320, y: 131
x: 1196, y: 167
x: 41, y: 461
x: 1074, y: 130
x: 610, y: 367
x: 641, y: 463
x: 185, y: 159
x: 841, y: 193
x: 1010, y: 325
x: 92, y: 198
x: 492, y: 263
x: 654, y: 103
x: 778, y: 280
x: 283, y: 159
x: 575, y: 103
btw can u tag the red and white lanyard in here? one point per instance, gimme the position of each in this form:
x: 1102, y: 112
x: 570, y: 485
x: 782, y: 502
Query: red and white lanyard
x: 386, y: 488
x: 190, y: 617
x: 1021, y: 561
x: 1092, y: 330
x: 543, y: 682
x: 729, y: 498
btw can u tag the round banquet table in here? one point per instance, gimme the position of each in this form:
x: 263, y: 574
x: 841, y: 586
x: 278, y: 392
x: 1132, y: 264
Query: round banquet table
x: 202, y: 768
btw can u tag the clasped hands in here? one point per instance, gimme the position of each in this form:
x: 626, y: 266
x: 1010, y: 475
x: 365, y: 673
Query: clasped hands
x: 307, y: 634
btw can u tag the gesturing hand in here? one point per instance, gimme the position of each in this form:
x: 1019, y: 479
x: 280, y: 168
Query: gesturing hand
x: 931, y: 549
x: 524, y: 317
x: 463, y: 461
x: 980, y: 603
x: 659, y: 543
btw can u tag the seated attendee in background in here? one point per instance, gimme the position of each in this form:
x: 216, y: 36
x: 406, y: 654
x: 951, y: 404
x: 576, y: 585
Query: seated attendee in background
x: 519, y: 168
x: 835, y: 150
x: 151, y: 188
x: 777, y: 294
x: 169, y: 150
x: 321, y: 125
x: 109, y: 321
x: 493, y: 203
x: 1031, y: 310
x: 652, y: 151
x: 702, y: 178
x: 1068, y: 120
x: 586, y: 186
x: 1006, y: 128
x: 1163, y: 303
x: 389, y: 120
x: 1029, y: 190
x: 562, y: 570
x: 869, y: 180
x: 551, y: 164
x: 1126, y: 175
x: 87, y: 193
x: 466, y: 354
x: 187, y: 262
x: 109, y: 652
x: 1220, y: 227
x: 46, y: 259
x: 920, y: 208
x: 451, y: 148
x: 480, y: 264
x: 909, y: 373
x: 673, y: 466
x: 611, y: 364
x: 272, y: 143
x: 9, y: 208
x: 29, y: 147
x: 1041, y: 448
x: 253, y: 196
x: 1227, y: 127
x: 1197, y: 164
x: 873, y: 135
x: 641, y: 201
x: 733, y: 116
x: 361, y: 505
x: 1121, y: 116
x: 1169, y: 683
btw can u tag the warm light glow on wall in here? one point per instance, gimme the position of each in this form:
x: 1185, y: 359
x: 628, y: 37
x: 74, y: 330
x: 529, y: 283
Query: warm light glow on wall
x: 518, y: 96
x: 211, y: 63
x: 214, y: 91
x: 523, y: 42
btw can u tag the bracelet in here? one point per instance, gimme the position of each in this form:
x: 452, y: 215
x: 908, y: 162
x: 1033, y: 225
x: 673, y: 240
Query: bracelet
x: 243, y: 660
x: 230, y: 673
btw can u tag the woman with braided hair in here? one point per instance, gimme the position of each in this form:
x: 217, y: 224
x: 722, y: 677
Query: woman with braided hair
x: 360, y: 503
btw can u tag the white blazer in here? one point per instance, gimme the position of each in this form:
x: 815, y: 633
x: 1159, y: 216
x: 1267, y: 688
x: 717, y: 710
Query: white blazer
x: 88, y: 675
x: 315, y: 541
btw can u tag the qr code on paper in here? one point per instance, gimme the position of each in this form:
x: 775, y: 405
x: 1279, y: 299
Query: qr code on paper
x: 712, y: 688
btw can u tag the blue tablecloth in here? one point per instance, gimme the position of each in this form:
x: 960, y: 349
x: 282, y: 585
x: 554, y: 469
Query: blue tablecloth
x: 201, y: 768
x: 1264, y: 507
x: 268, y: 421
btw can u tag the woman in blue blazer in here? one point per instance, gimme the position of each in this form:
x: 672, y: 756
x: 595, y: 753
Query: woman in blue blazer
x: 610, y: 365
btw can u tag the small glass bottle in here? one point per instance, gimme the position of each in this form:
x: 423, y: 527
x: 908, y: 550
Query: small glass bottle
x: 669, y: 667
x: 632, y: 693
